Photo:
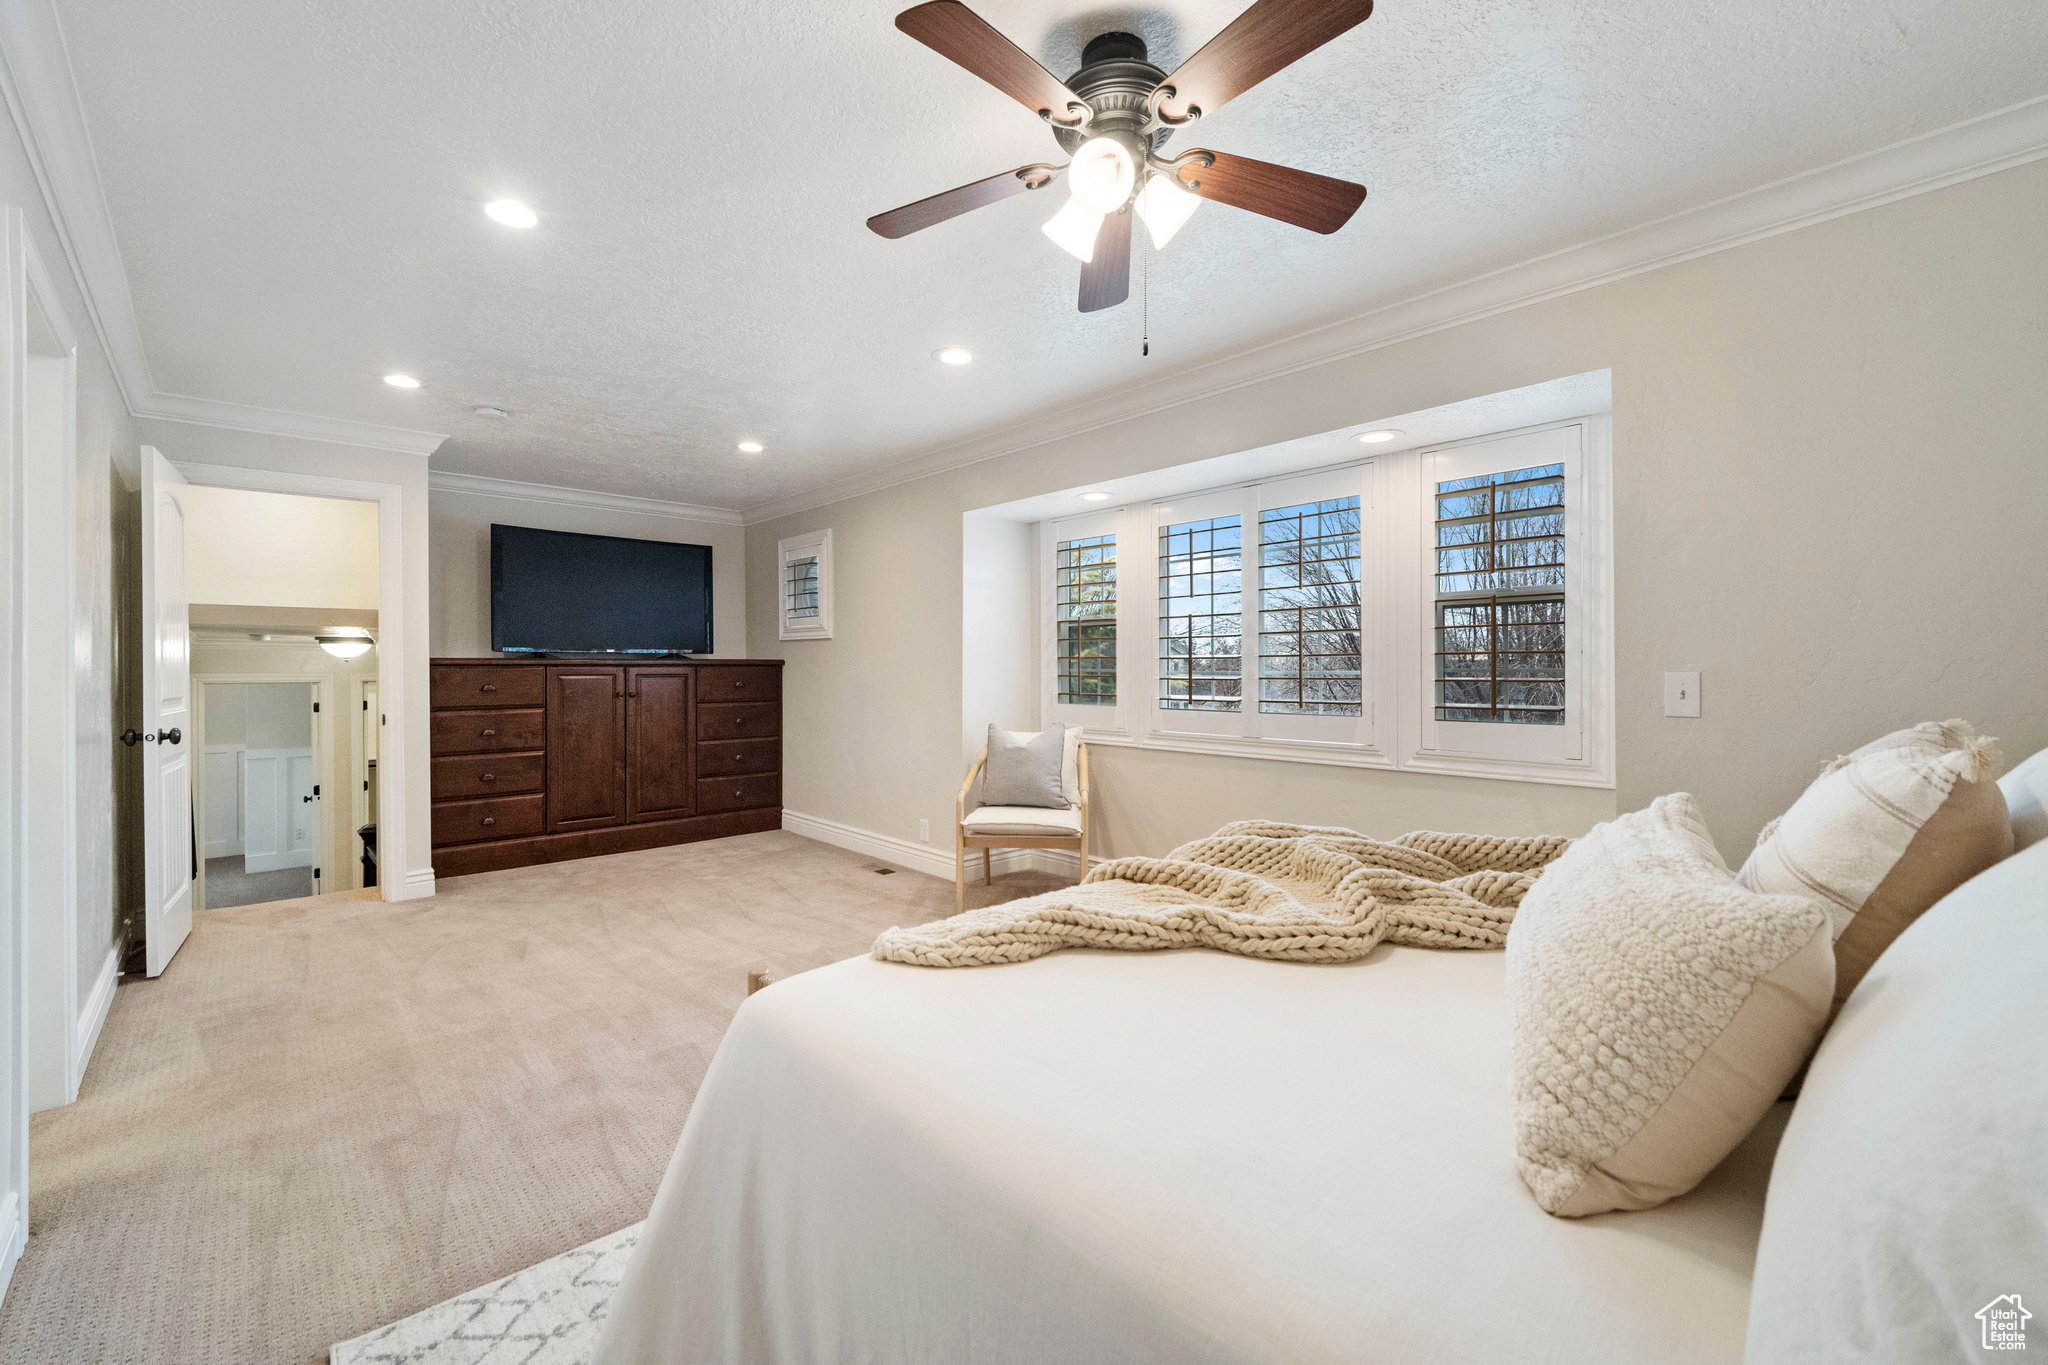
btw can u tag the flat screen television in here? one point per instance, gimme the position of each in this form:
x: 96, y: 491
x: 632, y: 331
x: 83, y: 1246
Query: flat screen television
x: 561, y: 592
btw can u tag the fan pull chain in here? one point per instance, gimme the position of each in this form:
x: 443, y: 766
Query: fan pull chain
x: 1145, y: 292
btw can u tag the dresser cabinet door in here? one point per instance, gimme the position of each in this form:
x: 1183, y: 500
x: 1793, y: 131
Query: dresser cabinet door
x: 659, y: 783
x: 586, y: 747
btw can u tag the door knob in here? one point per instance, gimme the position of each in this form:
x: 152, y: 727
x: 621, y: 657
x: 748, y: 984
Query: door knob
x: 132, y: 737
x: 170, y: 736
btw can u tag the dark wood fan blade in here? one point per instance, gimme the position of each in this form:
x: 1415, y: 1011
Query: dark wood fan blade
x: 960, y: 35
x: 1302, y: 198
x: 1106, y: 278
x: 1268, y: 37
x: 952, y: 203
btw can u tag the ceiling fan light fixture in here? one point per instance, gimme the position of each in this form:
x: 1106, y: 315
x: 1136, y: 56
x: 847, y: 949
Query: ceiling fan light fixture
x: 1103, y: 174
x: 1165, y: 207
x: 1074, y: 227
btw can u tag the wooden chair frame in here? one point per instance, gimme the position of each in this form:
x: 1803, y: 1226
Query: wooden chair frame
x: 962, y: 840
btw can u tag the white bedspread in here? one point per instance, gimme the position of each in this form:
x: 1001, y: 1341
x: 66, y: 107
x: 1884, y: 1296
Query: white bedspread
x: 1132, y: 1158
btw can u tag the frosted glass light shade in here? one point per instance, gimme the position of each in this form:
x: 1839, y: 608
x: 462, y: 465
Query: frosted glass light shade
x: 1074, y: 228
x: 347, y: 647
x: 1103, y: 174
x: 1165, y: 206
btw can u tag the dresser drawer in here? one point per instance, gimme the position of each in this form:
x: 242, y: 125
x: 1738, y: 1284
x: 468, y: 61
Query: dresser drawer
x: 483, y: 732
x: 489, y: 775
x: 478, y: 685
x: 738, y: 722
x: 506, y: 817
x: 738, y: 793
x: 739, y: 757
x: 739, y: 684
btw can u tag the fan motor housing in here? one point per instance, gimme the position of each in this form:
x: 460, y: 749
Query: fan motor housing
x: 1115, y: 80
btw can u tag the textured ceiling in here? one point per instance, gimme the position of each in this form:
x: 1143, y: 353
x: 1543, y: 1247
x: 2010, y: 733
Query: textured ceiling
x: 296, y: 189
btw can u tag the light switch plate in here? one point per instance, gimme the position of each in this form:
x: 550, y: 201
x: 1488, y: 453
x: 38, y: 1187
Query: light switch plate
x: 1682, y: 695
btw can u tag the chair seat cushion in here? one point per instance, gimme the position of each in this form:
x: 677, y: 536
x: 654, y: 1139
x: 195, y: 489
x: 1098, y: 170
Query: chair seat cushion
x: 1035, y: 820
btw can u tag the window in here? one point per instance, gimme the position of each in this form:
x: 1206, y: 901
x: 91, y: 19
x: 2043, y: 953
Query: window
x: 1085, y: 578
x: 807, y: 586
x: 1500, y: 597
x: 1308, y: 609
x: 1201, y: 665
x: 1441, y: 610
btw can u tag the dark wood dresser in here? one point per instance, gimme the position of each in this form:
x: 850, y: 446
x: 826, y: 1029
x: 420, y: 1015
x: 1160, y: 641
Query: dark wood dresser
x: 543, y: 760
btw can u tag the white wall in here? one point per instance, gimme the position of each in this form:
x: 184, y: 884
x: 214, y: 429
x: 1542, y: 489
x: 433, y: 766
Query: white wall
x: 248, y: 548
x: 408, y: 852
x: 460, y: 554
x: 1828, y: 448
x: 107, y: 885
x: 258, y: 715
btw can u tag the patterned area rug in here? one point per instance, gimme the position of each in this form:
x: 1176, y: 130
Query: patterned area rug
x: 547, y: 1314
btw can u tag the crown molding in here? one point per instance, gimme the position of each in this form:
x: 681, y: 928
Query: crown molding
x: 439, y: 481
x: 42, y: 98
x: 208, y: 412
x: 1981, y: 146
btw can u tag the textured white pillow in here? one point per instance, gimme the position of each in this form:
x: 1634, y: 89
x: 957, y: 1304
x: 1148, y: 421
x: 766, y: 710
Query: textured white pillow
x: 1911, y: 1189
x: 1659, y: 1008
x: 2026, y: 800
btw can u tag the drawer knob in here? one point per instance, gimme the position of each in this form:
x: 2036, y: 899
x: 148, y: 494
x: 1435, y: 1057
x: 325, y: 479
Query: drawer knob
x: 490, y: 687
x: 490, y: 819
x: 488, y: 777
x: 736, y: 791
x: 739, y: 684
x: 488, y: 733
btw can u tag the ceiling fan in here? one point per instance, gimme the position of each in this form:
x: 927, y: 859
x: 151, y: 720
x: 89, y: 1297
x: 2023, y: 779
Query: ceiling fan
x: 1114, y: 114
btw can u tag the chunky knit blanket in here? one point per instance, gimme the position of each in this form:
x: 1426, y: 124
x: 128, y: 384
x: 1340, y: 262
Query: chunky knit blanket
x: 1299, y: 893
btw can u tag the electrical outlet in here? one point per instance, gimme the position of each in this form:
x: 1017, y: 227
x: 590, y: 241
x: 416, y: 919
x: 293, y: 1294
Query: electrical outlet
x: 924, y: 830
x: 1682, y: 695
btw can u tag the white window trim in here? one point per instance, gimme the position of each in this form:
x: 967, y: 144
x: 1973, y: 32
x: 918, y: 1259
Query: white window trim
x: 817, y: 543
x: 1396, y: 518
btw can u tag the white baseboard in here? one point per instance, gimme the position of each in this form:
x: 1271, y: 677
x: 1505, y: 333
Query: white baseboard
x: 13, y: 1236
x: 418, y: 885
x: 93, y: 1017
x: 927, y: 858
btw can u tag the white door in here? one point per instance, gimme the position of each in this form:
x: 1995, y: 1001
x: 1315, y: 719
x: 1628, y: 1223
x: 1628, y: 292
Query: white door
x: 302, y: 805
x: 166, y: 716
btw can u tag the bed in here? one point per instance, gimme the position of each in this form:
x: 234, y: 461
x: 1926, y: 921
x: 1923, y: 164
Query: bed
x: 1170, y: 1157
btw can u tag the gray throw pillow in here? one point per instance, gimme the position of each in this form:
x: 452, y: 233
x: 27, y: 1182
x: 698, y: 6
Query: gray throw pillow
x: 1025, y: 773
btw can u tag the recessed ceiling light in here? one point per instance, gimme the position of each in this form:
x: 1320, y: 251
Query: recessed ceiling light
x: 401, y: 381
x: 511, y: 213
x: 1373, y: 438
x: 751, y: 447
x: 952, y: 355
x: 1095, y: 497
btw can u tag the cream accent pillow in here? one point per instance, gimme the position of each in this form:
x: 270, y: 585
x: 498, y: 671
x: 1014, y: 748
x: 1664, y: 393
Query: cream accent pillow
x: 1882, y: 834
x: 1659, y: 1008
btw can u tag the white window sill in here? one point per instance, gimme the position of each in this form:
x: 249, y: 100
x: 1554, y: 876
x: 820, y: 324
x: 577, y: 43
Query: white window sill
x: 1353, y: 756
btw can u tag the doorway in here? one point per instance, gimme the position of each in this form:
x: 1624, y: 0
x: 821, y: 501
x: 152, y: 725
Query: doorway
x: 260, y: 800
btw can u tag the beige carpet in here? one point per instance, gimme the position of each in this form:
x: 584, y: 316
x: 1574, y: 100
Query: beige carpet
x: 330, y: 1114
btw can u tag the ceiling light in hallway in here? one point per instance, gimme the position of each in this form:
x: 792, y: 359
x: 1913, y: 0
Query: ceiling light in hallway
x: 401, y: 381
x: 511, y: 213
x: 751, y: 447
x: 1373, y: 438
x: 952, y: 355
x: 1095, y: 497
